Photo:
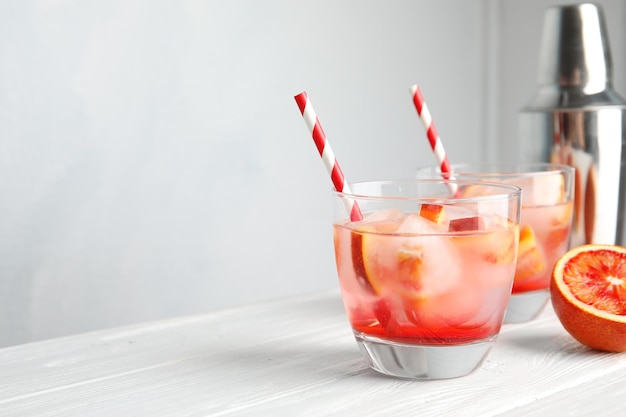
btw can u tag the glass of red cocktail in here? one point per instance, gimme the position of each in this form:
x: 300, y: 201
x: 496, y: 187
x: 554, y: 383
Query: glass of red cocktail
x: 426, y: 271
x: 547, y: 205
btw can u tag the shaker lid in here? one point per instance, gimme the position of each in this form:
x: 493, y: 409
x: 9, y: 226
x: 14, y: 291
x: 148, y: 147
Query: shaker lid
x: 575, y: 65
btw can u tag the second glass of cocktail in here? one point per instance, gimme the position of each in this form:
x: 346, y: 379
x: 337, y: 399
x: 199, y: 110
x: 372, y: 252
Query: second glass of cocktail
x: 547, y: 203
x: 426, y: 271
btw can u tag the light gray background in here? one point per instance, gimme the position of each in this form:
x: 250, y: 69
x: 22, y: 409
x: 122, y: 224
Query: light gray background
x: 153, y: 161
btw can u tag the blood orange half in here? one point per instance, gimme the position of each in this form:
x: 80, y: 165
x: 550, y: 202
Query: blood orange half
x: 588, y: 290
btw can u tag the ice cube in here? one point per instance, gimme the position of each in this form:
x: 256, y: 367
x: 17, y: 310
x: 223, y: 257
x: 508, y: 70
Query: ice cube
x: 544, y: 189
x: 418, y: 225
x: 438, y: 270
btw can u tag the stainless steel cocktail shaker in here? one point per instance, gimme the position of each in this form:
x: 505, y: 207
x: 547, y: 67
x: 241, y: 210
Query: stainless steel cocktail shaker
x: 577, y: 118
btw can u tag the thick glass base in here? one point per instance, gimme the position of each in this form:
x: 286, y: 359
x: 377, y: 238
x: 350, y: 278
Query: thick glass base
x: 526, y: 306
x: 422, y: 361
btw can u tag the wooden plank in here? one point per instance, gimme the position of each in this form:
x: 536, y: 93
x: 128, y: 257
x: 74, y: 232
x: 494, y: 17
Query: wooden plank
x: 601, y: 396
x: 292, y: 357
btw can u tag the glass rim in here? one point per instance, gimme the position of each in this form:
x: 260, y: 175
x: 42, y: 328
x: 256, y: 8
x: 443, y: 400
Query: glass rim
x: 504, y: 170
x: 509, y: 191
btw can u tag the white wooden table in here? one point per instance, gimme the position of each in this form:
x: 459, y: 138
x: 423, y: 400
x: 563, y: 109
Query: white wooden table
x: 296, y: 357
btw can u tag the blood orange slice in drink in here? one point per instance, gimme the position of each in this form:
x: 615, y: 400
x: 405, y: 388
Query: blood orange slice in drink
x: 588, y: 290
x: 382, y: 222
x: 407, y: 262
x: 530, y: 261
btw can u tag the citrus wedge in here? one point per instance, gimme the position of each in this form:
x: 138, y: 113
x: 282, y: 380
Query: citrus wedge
x: 433, y: 212
x: 386, y: 225
x: 588, y: 291
x: 530, y: 262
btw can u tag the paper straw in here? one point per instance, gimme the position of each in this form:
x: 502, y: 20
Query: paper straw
x: 433, y: 136
x: 326, y: 152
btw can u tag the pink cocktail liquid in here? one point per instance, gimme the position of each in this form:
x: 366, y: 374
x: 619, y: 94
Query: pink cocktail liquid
x: 407, y: 279
x: 544, y: 237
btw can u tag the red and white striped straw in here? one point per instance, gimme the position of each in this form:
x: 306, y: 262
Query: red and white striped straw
x: 326, y: 152
x: 433, y: 136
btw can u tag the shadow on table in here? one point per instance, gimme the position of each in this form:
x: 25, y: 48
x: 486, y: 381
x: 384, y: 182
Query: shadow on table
x: 300, y: 363
x: 545, y: 342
